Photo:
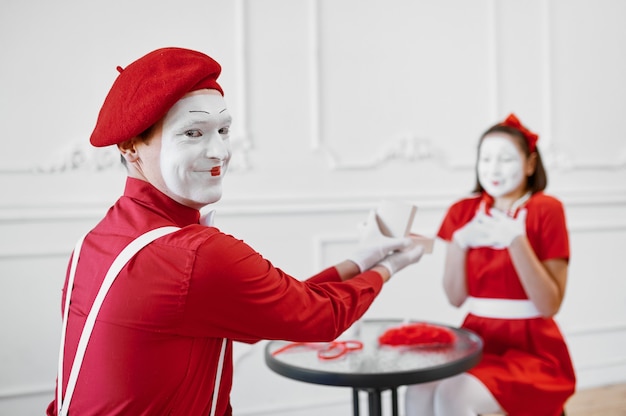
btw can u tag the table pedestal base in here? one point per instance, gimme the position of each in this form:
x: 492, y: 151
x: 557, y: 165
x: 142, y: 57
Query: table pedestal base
x: 374, y: 401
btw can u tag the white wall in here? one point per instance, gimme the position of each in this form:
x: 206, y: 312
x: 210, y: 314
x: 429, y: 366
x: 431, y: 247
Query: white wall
x: 337, y: 104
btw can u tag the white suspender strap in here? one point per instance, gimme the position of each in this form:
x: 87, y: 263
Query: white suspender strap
x: 120, y: 261
x: 66, y: 311
x: 218, y: 377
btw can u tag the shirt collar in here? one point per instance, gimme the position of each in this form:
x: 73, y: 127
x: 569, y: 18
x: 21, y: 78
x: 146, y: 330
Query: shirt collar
x: 146, y: 194
x: 488, y: 201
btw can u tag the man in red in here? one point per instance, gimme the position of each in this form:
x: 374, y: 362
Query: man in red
x: 149, y: 319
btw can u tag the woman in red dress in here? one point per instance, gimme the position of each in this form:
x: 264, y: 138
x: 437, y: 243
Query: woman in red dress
x: 507, y: 257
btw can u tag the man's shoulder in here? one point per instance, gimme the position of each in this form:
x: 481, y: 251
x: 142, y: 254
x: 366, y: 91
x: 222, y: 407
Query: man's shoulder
x: 193, y: 236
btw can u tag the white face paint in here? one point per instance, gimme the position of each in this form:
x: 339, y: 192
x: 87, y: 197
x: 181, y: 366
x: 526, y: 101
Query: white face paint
x: 195, y: 148
x: 500, y: 166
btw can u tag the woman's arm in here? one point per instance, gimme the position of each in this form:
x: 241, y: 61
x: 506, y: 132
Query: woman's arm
x: 454, y: 275
x: 544, y: 282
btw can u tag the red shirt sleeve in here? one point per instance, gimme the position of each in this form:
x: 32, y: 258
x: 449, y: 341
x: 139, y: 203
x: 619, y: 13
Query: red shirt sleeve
x: 327, y: 275
x: 235, y: 293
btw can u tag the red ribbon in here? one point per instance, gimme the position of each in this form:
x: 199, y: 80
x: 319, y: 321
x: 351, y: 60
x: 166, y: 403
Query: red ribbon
x: 531, y: 138
x: 326, y: 351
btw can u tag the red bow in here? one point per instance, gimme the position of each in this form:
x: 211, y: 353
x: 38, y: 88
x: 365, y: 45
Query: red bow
x: 531, y: 138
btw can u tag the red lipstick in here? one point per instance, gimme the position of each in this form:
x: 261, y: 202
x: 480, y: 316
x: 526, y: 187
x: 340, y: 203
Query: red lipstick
x: 215, y: 171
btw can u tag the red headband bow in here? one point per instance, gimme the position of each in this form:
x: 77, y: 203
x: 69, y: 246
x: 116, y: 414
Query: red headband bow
x: 531, y: 138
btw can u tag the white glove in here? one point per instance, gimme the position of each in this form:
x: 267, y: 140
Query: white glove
x: 374, y: 246
x: 400, y: 259
x: 496, y: 230
x: 208, y: 218
x: 470, y: 234
x: 501, y: 229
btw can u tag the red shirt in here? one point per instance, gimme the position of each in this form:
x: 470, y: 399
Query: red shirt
x: 156, y: 343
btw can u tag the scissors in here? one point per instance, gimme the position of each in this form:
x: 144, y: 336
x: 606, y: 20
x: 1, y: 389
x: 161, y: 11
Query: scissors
x: 329, y: 351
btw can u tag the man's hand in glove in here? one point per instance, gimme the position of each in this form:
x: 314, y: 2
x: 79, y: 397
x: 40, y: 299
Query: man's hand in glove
x: 403, y: 258
x: 374, y: 246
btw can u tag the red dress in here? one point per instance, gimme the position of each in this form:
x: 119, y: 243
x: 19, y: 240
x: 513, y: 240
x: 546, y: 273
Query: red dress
x: 526, y: 363
x: 157, y: 340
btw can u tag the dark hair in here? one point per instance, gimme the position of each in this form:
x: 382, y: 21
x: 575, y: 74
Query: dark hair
x: 538, y: 180
x: 144, y: 136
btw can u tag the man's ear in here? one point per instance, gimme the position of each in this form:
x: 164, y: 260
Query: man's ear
x: 128, y: 150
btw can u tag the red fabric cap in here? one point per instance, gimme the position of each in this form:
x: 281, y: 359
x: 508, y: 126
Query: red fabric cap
x: 531, y: 138
x: 146, y: 89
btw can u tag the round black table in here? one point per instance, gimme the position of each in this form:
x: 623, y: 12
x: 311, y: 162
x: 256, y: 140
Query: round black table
x: 377, y: 368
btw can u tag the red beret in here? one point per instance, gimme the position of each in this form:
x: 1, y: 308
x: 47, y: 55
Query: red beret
x: 146, y: 89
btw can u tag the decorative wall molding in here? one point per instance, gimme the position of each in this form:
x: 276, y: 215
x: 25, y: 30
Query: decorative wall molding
x: 601, y: 363
x: 411, y: 147
x: 323, y: 241
x: 48, y: 390
x: 28, y: 391
x: 405, y: 146
x: 320, y: 242
x: 555, y: 159
x: 288, y: 408
x: 18, y: 255
x: 79, y: 155
x: 242, y: 142
x: 596, y: 330
x: 306, y: 203
x: 546, y: 72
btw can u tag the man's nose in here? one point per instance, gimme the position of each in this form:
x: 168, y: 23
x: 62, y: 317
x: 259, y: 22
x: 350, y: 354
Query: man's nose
x: 216, y: 147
